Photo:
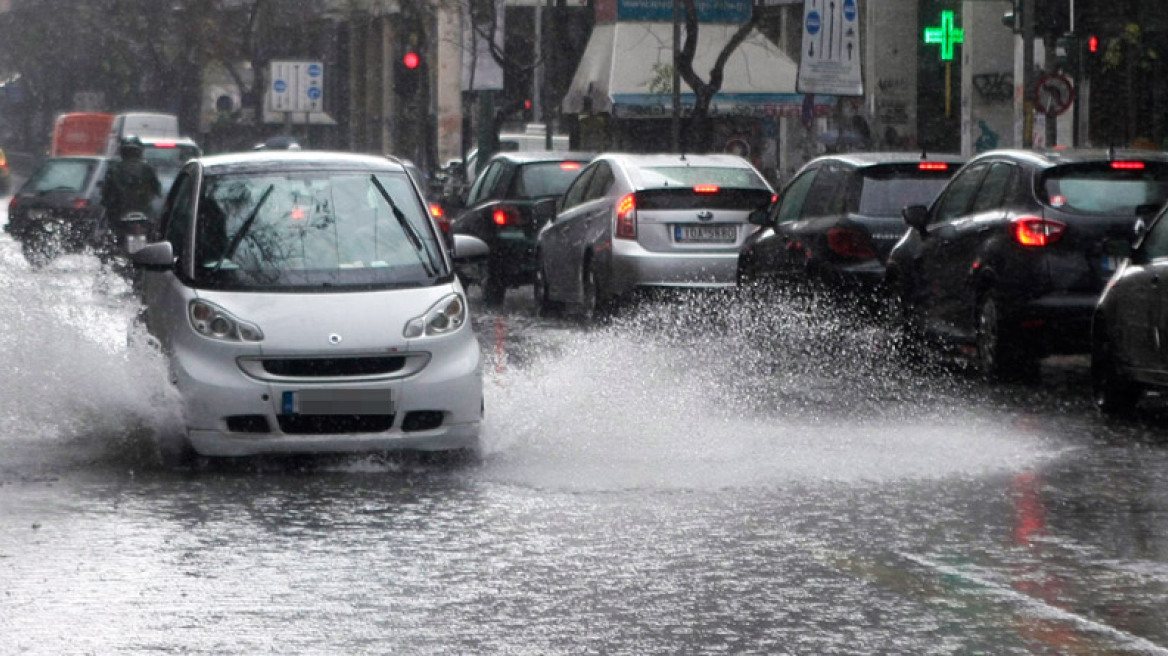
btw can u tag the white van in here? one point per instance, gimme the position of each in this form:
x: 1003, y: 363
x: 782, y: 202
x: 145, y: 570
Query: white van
x: 142, y: 124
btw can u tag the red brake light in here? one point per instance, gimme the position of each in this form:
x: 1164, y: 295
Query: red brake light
x: 933, y: 166
x: 12, y: 203
x: 570, y: 166
x: 850, y: 243
x: 436, y: 211
x: 705, y: 189
x: 505, y: 215
x: 626, y: 217
x: 1128, y: 166
x: 1034, y: 231
x: 80, y: 204
x: 164, y: 144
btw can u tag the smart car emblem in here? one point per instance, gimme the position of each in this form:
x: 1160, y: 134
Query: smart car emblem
x: 334, y: 339
x: 705, y: 215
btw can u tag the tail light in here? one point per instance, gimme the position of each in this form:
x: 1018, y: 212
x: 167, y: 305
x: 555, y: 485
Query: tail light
x: 933, y: 166
x: 13, y: 203
x: 626, y: 217
x: 1127, y: 166
x: 705, y: 189
x: 436, y: 211
x: 506, y: 215
x: 80, y: 203
x: 570, y: 166
x: 1037, y: 232
x: 439, y: 215
x: 850, y: 243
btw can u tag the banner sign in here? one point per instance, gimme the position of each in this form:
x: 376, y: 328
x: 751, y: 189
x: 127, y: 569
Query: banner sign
x: 661, y: 11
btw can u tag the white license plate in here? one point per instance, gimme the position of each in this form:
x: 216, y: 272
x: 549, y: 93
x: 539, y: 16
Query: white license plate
x: 705, y: 234
x: 338, y: 402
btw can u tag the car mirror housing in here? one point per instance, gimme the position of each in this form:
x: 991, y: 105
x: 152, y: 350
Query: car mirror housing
x: 158, y: 256
x: 468, y: 248
x: 916, y: 217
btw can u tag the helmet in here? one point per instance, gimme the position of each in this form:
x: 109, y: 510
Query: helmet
x: 131, y: 144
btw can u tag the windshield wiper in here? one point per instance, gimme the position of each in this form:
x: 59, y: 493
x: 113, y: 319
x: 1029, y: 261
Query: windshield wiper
x: 242, y: 232
x: 410, y: 229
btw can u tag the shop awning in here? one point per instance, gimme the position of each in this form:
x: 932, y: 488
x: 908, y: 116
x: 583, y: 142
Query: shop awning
x: 625, y: 71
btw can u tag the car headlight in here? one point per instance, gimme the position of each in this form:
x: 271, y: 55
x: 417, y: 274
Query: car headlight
x: 212, y: 321
x: 446, y: 316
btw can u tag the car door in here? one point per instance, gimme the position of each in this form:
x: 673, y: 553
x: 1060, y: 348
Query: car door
x: 766, y: 251
x: 1140, y: 333
x: 164, y: 292
x: 942, y: 271
x: 825, y: 204
x: 587, y: 230
x: 556, y: 238
x: 982, y: 222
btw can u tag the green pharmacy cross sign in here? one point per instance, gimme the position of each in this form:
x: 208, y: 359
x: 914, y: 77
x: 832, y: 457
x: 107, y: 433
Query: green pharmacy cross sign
x: 947, y: 35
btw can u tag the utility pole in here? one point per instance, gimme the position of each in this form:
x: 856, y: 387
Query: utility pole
x: 675, y: 85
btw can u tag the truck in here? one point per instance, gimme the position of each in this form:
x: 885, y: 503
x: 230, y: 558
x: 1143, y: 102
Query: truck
x: 80, y: 133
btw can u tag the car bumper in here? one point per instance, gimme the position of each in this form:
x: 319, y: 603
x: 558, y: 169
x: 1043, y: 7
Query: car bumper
x: 633, y: 266
x: 1060, y: 323
x: 230, y: 413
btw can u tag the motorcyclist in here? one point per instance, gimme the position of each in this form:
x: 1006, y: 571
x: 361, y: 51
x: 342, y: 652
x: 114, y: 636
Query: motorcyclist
x: 131, y: 185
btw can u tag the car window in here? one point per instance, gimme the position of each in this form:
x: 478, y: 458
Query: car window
x: 886, y: 190
x: 168, y: 155
x: 575, y: 194
x: 826, y: 195
x: 959, y: 194
x: 1155, y: 244
x: 543, y: 179
x: 62, y: 175
x: 791, y: 205
x: 498, y: 187
x: 178, y: 219
x: 738, y: 177
x: 1102, y: 188
x: 313, y: 230
x: 993, y: 189
x: 601, y: 180
x: 484, y: 183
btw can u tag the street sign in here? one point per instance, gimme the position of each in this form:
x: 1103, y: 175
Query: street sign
x: 296, y: 86
x: 830, y: 57
x: 1053, y: 94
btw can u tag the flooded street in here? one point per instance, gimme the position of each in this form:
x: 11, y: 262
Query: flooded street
x: 708, y: 474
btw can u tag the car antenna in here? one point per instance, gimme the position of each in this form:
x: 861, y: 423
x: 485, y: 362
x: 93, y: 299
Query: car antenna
x: 924, y: 154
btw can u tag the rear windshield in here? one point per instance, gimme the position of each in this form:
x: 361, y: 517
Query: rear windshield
x: 886, y: 190
x: 62, y: 175
x: 692, y: 176
x: 546, y: 179
x: 170, y: 157
x: 314, y: 230
x: 1102, y: 188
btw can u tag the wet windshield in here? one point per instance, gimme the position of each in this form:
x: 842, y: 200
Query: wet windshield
x: 295, y: 230
x: 546, y: 179
x: 1106, y: 189
x: 62, y: 175
x: 886, y: 191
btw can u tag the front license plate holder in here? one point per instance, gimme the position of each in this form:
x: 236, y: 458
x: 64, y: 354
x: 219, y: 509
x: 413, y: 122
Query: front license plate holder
x: 338, y: 402
x: 705, y: 234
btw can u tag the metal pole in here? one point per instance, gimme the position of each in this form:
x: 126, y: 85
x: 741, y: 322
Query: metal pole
x: 675, y: 86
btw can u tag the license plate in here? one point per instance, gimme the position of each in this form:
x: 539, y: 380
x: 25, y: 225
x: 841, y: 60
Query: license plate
x: 705, y: 234
x: 338, y: 402
x: 37, y: 215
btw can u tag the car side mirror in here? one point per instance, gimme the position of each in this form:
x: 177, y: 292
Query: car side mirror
x: 916, y: 217
x: 158, y: 256
x: 468, y: 248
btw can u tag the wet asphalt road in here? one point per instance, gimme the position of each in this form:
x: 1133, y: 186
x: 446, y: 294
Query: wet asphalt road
x: 705, y: 474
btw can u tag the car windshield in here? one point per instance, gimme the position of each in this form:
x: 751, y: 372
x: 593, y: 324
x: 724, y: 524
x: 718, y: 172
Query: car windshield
x: 546, y: 179
x: 885, y: 191
x: 1119, y: 188
x: 62, y: 175
x: 312, y: 230
x: 690, y: 176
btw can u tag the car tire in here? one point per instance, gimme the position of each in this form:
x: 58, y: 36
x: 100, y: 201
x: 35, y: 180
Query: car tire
x: 1111, y: 392
x: 592, y: 301
x: 544, y: 305
x: 39, y: 252
x: 494, y: 285
x: 175, y: 451
x: 1000, y: 354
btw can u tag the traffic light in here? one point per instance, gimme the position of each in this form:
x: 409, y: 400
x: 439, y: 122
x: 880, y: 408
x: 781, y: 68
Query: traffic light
x: 1092, y: 55
x: 528, y: 110
x: 409, y: 74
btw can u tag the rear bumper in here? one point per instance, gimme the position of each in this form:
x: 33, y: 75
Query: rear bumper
x: 1059, y: 323
x: 633, y: 266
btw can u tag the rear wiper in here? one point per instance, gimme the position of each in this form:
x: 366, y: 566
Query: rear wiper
x: 242, y: 232
x: 408, y: 227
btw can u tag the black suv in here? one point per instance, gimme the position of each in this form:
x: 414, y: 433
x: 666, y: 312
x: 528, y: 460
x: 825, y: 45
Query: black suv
x: 1009, y: 261
x: 504, y: 209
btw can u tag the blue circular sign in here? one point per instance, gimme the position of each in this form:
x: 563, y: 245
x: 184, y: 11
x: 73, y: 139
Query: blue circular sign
x: 314, y: 93
x: 813, y: 22
x: 280, y: 86
x: 314, y: 70
x: 850, y: 10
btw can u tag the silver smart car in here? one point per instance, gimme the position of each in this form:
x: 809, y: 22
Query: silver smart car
x: 632, y: 221
x: 306, y: 303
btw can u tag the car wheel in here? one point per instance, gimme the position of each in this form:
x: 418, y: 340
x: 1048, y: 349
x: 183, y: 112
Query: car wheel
x: 494, y: 285
x: 39, y: 251
x: 1112, y: 393
x: 544, y: 305
x: 175, y: 451
x: 591, y: 303
x: 1000, y: 356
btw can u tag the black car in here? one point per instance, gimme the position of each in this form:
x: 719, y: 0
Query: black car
x: 58, y: 209
x: 836, y: 221
x: 506, y: 206
x: 1129, y: 331
x: 1009, y: 261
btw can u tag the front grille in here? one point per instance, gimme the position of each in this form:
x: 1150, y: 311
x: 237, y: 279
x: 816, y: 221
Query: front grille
x: 248, y: 424
x: 334, y: 424
x: 419, y: 420
x: 332, y: 367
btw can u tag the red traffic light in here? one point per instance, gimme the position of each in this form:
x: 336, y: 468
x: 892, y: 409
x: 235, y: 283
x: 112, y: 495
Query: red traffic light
x: 1092, y: 43
x: 411, y: 60
x: 527, y: 104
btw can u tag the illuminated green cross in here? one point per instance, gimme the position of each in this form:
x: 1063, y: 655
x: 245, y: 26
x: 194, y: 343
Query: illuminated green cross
x: 947, y: 35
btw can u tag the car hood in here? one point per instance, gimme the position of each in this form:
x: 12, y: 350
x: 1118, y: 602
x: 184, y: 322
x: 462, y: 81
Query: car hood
x: 332, y: 323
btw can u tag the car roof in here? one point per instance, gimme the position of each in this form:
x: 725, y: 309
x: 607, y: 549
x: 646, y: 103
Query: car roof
x: 861, y: 160
x: 537, y: 156
x: 1059, y: 156
x: 296, y: 159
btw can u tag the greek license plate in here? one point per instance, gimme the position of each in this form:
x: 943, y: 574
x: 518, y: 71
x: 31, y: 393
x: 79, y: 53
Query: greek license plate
x: 338, y: 402
x: 705, y: 234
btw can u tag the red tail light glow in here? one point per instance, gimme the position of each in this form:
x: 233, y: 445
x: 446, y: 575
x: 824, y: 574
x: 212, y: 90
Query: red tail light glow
x: 933, y: 166
x: 570, y: 166
x: 505, y: 215
x: 706, y: 189
x: 850, y: 243
x: 1037, y: 232
x: 1128, y: 166
x: 436, y: 211
x: 164, y: 144
x: 626, y: 217
x: 79, y: 204
x: 12, y: 203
